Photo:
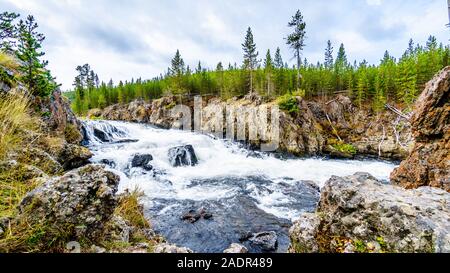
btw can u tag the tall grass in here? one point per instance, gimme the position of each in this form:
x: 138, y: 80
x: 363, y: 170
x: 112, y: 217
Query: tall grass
x: 15, y: 121
x: 8, y: 61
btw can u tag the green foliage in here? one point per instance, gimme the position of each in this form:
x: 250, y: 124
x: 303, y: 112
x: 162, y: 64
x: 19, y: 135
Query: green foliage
x: 360, y: 246
x: 345, y: 148
x: 288, y: 103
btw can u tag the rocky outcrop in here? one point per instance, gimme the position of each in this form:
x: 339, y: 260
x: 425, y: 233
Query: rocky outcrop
x: 360, y: 214
x: 80, y: 202
x: 429, y: 162
x: 319, y: 127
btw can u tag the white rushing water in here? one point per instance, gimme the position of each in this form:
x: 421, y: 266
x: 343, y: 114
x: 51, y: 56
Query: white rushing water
x: 217, y: 159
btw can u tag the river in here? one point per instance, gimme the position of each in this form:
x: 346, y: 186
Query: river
x: 246, y: 192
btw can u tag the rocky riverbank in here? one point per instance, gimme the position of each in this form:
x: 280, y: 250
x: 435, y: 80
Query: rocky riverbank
x: 335, y: 128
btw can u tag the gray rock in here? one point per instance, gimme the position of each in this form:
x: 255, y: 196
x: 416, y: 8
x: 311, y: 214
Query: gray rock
x: 84, y: 198
x: 236, y: 248
x: 374, y: 217
x: 168, y: 248
x: 142, y: 161
x: 268, y: 241
x: 182, y: 156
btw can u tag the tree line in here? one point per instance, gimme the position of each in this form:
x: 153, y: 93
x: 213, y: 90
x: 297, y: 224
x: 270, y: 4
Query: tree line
x: 392, y: 80
x: 20, y: 38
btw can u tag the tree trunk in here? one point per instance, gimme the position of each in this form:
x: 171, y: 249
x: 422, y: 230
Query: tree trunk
x: 299, y: 62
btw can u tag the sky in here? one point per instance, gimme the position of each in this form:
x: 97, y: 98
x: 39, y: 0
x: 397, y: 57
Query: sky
x: 124, y: 39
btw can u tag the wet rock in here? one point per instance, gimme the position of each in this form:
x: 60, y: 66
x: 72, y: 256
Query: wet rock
x: 182, y: 156
x: 80, y: 202
x: 74, y: 156
x: 109, y: 163
x: 429, y: 162
x: 168, y: 248
x: 193, y: 216
x: 373, y: 217
x: 142, y: 161
x: 236, y: 248
x: 101, y: 135
x: 268, y: 241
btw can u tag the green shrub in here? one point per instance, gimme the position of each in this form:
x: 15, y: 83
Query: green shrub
x: 288, y: 103
x: 345, y: 148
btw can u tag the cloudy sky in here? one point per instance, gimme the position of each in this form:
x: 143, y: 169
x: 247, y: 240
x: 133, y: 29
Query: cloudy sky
x: 122, y: 39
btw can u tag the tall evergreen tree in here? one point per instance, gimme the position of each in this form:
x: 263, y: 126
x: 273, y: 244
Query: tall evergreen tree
x: 278, y: 60
x: 329, y: 61
x: 38, y: 81
x: 296, y: 40
x: 268, y: 68
x: 8, y: 30
x: 250, y: 55
x: 177, y: 68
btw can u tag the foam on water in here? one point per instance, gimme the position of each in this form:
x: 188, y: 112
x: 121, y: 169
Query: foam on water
x: 218, y: 159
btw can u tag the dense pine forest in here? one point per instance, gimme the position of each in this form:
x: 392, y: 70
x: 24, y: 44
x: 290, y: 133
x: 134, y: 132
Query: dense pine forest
x: 394, y: 79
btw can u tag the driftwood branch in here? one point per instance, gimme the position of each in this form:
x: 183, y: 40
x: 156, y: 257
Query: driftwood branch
x: 396, y: 111
x: 332, y: 127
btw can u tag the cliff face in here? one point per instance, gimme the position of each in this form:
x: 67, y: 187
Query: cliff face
x: 317, y: 128
x: 429, y: 162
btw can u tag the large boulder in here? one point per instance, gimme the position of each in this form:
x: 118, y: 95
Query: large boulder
x: 74, y: 156
x: 80, y: 202
x: 429, y: 162
x: 182, y: 156
x: 360, y: 214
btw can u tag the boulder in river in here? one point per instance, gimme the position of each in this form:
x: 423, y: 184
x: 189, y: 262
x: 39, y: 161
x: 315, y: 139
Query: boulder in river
x: 429, y: 162
x: 142, y: 161
x: 268, y: 241
x: 193, y: 216
x: 183, y: 156
x: 236, y: 249
x: 361, y: 214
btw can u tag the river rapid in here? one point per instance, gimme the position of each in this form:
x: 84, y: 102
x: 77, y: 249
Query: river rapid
x: 246, y: 192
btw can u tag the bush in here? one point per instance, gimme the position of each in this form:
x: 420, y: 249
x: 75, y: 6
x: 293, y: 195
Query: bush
x: 288, y: 103
x: 345, y: 148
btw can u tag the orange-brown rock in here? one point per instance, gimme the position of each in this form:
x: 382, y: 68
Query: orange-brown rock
x: 429, y: 162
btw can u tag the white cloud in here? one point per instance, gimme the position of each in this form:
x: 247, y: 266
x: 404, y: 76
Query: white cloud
x: 137, y: 38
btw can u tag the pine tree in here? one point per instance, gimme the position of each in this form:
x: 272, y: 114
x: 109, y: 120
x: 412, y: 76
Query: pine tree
x: 329, y: 61
x: 340, y: 67
x: 177, y: 68
x: 296, y: 40
x: 278, y: 61
x: 28, y: 51
x: 8, y: 30
x: 199, y: 68
x: 250, y: 55
x: 268, y: 68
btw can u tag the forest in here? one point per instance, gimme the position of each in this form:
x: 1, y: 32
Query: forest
x: 394, y: 80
